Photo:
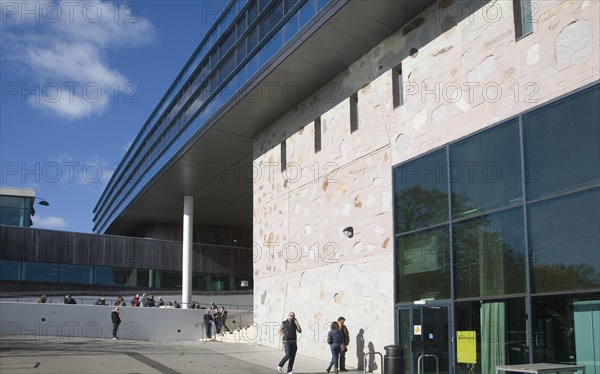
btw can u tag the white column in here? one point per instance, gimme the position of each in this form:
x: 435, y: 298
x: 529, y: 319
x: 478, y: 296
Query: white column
x: 186, y: 270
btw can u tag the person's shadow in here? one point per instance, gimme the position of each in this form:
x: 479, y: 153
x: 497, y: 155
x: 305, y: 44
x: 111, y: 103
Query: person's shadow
x: 360, y: 350
x: 372, y: 366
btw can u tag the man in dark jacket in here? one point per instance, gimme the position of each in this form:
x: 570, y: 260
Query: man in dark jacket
x: 224, y: 318
x: 346, y: 334
x: 287, y: 330
x: 116, y: 321
x: 208, y: 319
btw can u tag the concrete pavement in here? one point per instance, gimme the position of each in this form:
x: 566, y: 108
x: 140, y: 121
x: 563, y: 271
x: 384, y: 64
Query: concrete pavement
x: 23, y: 354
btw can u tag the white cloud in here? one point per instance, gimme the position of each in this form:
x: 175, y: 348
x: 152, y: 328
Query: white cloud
x: 63, y: 46
x: 50, y: 222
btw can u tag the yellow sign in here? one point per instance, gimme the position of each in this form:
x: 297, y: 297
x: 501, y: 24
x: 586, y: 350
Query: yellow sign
x: 466, y: 347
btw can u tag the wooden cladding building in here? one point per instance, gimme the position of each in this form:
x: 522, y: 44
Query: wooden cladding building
x: 108, y: 261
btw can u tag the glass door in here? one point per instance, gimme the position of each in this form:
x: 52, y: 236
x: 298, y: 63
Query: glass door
x: 424, y: 333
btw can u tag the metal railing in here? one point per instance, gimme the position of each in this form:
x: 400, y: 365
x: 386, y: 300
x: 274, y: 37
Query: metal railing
x: 365, y: 363
x: 92, y: 297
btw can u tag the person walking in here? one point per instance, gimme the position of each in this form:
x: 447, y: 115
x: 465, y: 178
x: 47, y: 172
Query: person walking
x: 224, y: 318
x: 208, y: 319
x: 116, y: 321
x: 288, y: 330
x: 335, y: 339
x: 344, y: 348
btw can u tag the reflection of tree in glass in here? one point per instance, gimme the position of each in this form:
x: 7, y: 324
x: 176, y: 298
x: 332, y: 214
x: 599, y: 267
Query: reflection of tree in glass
x: 489, y: 259
x: 483, y: 258
x: 417, y: 207
x: 566, y: 277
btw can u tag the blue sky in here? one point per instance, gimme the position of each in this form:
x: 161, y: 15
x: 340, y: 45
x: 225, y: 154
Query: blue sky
x: 79, y: 78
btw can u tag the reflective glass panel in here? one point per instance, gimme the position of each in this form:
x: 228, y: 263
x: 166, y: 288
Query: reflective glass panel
x: 75, y: 274
x: 562, y: 146
x: 104, y: 275
x: 500, y: 328
x: 565, y: 241
x: 13, y: 217
x: 485, y: 170
x: 10, y: 270
x: 490, y: 255
x: 564, y: 330
x: 40, y: 272
x: 423, y: 266
x: 421, y: 192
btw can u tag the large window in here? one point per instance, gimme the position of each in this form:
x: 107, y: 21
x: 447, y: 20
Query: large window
x: 421, y: 193
x: 46, y: 272
x: 505, y: 221
x: 484, y: 171
x: 565, y: 243
x: 82, y: 274
x: 562, y: 146
x: 15, y: 211
x: 500, y: 328
x: 564, y: 330
x: 40, y: 272
x: 423, y: 266
x: 10, y: 270
x: 490, y: 255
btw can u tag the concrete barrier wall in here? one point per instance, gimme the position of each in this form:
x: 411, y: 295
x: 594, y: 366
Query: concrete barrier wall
x: 48, y: 321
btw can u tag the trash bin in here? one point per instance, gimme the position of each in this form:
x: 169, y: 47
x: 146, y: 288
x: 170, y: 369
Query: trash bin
x: 393, y: 361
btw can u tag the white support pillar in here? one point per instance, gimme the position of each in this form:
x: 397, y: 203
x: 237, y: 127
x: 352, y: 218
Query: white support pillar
x: 186, y: 270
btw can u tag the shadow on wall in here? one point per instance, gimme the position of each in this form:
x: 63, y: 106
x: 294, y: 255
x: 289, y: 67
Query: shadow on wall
x: 360, y: 353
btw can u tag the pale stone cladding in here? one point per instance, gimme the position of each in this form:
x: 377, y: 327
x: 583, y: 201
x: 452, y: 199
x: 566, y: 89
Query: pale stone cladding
x: 463, y: 71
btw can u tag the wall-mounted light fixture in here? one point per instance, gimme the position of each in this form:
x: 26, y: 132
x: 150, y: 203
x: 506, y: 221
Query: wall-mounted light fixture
x: 349, y: 231
x: 43, y: 201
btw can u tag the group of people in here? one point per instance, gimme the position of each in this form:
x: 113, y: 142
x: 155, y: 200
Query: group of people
x: 338, y: 339
x: 215, y: 316
x: 149, y: 302
x: 137, y: 301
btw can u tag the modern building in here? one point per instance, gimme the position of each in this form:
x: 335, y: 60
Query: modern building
x: 430, y: 170
x: 17, y: 206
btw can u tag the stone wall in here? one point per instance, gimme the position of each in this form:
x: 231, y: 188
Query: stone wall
x: 463, y: 71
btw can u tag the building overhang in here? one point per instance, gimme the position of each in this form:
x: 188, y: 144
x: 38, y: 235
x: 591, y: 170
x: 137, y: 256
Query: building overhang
x: 216, y: 167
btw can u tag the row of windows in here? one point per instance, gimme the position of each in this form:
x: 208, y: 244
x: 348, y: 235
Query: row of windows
x: 468, y: 217
x: 46, y: 272
x: 221, y: 64
x: 523, y: 27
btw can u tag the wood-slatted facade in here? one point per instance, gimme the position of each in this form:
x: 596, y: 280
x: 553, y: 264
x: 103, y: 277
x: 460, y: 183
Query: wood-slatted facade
x: 28, y: 244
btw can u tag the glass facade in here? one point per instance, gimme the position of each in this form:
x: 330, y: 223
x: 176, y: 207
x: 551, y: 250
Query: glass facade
x: 15, y: 211
x: 503, y: 228
x: 46, y: 272
x: 244, y: 38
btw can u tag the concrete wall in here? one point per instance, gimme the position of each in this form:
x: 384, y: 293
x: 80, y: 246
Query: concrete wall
x: 49, y: 321
x: 463, y: 71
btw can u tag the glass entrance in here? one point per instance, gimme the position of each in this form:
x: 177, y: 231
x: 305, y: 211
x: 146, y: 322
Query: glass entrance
x: 425, y: 337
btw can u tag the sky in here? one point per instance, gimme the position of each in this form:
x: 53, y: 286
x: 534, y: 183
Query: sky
x: 78, y: 81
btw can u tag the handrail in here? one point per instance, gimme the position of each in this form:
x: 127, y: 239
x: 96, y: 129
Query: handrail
x: 90, y: 299
x: 365, y: 360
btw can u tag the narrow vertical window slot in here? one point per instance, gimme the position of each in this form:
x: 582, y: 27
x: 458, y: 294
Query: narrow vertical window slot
x: 318, y: 134
x: 354, y: 112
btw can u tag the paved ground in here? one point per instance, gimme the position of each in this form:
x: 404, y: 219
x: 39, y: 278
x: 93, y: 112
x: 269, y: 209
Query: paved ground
x: 25, y: 354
